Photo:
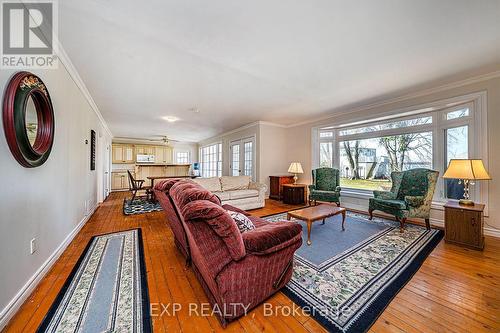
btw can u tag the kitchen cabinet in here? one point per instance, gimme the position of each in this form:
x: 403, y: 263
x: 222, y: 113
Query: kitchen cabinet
x: 123, y: 154
x: 144, y: 150
x: 163, y: 155
x: 119, y: 180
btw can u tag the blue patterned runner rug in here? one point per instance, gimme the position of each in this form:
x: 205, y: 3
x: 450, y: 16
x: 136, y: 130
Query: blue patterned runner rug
x: 106, y: 291
x: 140, y: 206
x: 346, y: 279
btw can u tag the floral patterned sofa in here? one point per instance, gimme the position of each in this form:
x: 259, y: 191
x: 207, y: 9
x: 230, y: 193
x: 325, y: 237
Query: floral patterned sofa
x: 410, y: 196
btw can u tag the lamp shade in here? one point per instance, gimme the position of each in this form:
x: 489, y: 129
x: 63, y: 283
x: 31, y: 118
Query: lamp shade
x: 466, y: 169
x: 295, y: 167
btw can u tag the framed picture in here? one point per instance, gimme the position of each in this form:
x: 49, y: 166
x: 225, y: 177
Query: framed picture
x: 92, y: 150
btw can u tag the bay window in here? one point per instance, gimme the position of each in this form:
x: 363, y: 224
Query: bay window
x: 367, y: 154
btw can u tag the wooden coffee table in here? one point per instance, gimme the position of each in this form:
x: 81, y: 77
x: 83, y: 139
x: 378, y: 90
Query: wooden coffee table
x: 316, y: 213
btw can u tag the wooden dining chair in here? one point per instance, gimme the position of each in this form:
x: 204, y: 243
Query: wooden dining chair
x: 136, y: 185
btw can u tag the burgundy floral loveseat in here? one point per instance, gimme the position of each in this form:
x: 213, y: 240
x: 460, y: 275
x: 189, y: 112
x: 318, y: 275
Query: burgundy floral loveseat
x: 237, y: 270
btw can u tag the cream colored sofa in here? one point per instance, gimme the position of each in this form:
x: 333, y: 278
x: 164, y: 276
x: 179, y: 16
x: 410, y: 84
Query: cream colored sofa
x: 237, y: 191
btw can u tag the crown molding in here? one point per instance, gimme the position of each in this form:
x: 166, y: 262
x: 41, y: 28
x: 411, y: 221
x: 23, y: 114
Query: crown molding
x: 77, y: 79
x: 420, y: 93
x: 238, y: 129
x: 269, y: 123
x: 241, y: 128
x: 75, y: 76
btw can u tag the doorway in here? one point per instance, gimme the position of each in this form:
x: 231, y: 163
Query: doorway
x: 242, y: 157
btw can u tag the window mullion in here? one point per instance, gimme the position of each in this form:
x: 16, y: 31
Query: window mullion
x: 385, y: 133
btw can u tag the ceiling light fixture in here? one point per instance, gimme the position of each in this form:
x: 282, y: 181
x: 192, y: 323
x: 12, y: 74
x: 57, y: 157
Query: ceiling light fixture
x: 170, y: 119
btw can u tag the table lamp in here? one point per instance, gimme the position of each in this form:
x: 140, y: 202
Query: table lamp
x: 295, y: 168
x: 467, y: 171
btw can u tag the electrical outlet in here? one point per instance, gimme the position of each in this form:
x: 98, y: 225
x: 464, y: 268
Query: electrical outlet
x: 33, y: 246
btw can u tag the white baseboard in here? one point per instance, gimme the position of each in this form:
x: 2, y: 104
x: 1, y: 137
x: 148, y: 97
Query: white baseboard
x: 10, y: 310
x: 492, y: 232
x: 434, y: 222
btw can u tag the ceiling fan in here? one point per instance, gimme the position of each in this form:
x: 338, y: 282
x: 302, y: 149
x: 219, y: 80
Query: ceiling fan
x: 161, y: 138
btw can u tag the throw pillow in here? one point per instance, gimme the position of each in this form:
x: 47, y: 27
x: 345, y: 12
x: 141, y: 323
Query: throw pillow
x: 243, y: 222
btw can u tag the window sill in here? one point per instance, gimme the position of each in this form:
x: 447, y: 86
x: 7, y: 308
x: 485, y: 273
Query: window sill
x: 367, y: 194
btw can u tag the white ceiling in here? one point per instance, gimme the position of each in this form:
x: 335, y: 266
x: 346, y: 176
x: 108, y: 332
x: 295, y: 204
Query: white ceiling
x: 272, y: 60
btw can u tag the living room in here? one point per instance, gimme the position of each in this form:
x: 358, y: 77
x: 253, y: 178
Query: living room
x: 319, y: 166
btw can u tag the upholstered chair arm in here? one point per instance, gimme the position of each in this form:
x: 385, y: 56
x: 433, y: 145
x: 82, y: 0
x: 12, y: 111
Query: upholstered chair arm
x: 312, y: 187
x: 338, y: 189
x: 272, y: 237
x: 385, y: 195
x: 258, y: 186
x: 415, y: 201
x: 235, y: 209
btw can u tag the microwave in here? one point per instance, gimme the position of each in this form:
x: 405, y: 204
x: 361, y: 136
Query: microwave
x: 145, y: 158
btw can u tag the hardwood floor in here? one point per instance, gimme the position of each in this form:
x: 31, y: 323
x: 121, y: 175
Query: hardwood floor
x: 456, y: 289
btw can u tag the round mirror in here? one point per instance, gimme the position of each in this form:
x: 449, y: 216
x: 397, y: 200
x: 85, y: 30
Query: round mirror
x: 28, y: 119
x: 31, y: 122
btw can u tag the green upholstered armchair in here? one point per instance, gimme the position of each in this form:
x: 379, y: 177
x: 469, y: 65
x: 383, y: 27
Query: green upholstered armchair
x: 410, y: 196
x: 325, y: 186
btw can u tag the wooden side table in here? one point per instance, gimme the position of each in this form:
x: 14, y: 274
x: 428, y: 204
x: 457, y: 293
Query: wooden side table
x: 463, y: 225
x: 276, y: 186
x: 294, y: 194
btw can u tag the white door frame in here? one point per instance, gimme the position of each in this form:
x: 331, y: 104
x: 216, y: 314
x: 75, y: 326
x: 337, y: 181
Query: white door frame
x: 241, y: 144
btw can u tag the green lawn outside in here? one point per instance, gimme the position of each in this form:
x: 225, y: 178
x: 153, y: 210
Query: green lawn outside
x: 366, y: 184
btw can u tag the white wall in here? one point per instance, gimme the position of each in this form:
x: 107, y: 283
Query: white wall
x: 50, y: 201
x: 251, y: 130
x: 299, y: 146
x: 270, y: 149
x: 273, y: 154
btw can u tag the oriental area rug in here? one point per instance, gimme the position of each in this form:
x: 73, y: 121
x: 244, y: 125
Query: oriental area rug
x: 346, y: 279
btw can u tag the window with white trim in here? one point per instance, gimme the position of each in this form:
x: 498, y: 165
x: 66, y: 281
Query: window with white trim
x: 367, y: 154
x: 182, y: 157
x: 211, y: 160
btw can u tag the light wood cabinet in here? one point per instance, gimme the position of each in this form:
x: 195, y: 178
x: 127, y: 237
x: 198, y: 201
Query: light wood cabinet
x: 119, y: 181
x: 163, y: 155
x: 123, y: 154
x: 144, y: 150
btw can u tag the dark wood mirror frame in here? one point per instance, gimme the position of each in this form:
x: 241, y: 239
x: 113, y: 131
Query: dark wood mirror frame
x: 22, y: 86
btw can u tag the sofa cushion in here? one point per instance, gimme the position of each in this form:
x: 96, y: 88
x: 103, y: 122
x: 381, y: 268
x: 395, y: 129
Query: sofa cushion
x: 166, y: 185
x: 234, y: 183
x: 270, y: 235
x: 184, y: 192
x: 241, y: 194
x: 223, y: 196
x: 391, y: 204
x: 241, y: 220
x: 258, y: 221
x: 235, y: 209
x: 203, y: 211
x: 211, y: 184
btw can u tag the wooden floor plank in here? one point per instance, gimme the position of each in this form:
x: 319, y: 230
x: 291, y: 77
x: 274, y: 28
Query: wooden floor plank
x: 456, y: 289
